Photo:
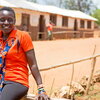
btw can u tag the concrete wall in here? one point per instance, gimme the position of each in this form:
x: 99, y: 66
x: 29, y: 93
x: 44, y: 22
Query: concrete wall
x: 59, y: 21
x: 71, y: 23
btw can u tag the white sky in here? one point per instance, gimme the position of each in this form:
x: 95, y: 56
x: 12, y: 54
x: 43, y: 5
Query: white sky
x: 96, y: 2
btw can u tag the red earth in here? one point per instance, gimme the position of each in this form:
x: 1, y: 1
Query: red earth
x: 55, y: 52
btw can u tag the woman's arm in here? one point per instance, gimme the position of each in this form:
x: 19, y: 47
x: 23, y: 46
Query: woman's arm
x: 33, y: 66
x: 36, y: 74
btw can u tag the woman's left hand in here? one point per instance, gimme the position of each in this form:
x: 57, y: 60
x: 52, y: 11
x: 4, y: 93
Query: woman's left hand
x: 42, y: 96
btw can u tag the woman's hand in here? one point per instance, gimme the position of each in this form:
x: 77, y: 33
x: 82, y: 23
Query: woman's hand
x: 42, y: 95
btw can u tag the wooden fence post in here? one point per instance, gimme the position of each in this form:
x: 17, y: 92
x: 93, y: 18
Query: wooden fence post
x: 91, y: 74
x: 52, y: 87
x: 71, y: 78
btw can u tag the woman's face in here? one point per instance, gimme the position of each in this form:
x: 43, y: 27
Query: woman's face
x: 7, y: 21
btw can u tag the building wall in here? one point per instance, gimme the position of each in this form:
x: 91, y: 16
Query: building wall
x: 18, y: 18
x: 47, y: 19
x: 59, y: 20
x: 85, y: 24
x: 63, y: 32
x: 33, y: 23
x: 92, y: 25
x: 71, y: 23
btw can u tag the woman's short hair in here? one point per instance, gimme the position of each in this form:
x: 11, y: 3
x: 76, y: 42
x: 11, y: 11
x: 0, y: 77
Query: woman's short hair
x: 8, y: 9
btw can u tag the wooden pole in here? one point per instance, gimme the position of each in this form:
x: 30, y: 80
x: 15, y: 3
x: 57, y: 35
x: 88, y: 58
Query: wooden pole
x: 91, y: 74
x: 52, y: 87
x: 71, y: 78
x: 71, y: 62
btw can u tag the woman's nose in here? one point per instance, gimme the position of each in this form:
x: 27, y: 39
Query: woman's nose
x: 6, y: 22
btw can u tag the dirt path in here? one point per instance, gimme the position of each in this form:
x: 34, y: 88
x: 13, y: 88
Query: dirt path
x: 50, y: 53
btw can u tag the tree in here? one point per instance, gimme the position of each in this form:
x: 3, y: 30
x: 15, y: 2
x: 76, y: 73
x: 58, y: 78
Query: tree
x: 58, y: 3
x: 49, y: 2
x: 85, y: 6
x: 32, y: 1
x: 96, y: 14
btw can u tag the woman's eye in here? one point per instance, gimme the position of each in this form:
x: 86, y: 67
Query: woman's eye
x: 10, y: 20
x: 2, y: 20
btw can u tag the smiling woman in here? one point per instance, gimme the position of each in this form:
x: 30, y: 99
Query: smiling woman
x: 7, y: 21
x: 16, y: 51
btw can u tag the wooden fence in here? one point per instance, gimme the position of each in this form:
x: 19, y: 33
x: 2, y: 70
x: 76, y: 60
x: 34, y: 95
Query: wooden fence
x: 71, y: 62
x: 77, y: 61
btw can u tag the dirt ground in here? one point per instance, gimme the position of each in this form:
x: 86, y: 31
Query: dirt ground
x: 94, y: 93
x: 55, y: 52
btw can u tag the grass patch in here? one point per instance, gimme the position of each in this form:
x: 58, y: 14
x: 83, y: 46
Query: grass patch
x: 94, y: 93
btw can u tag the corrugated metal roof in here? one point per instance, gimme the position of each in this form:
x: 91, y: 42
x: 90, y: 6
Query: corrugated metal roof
x: 44, y: 8
x: 6, y: 3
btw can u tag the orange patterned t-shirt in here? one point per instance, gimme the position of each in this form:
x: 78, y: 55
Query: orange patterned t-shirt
x: 16, y: 62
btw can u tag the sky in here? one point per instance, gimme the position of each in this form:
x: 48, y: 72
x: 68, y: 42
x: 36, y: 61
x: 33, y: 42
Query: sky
x: 96, y: 2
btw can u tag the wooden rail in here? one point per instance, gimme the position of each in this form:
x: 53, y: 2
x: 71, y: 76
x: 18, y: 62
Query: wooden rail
x: 70, y: 62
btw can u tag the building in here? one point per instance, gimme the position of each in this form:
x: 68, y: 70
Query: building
x: 34, y: 18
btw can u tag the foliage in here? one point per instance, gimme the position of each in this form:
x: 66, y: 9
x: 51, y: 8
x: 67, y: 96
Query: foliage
x: 55, y: 2
x: 96, y: 14
x: 85, y: 6
x: 32, y: 1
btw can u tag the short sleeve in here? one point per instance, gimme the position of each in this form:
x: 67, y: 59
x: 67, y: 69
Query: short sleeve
x: 26, y: 42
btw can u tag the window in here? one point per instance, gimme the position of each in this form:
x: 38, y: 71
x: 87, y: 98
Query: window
x: 82, y: 23
x: 88, y: 24
x: 53, y: 18
x: 64, y: 21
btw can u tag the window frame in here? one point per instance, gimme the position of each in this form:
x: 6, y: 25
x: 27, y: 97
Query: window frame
x: 89, y: 24
x: 65, y: 21
x: 82, y: 23
x: 53, y: 18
